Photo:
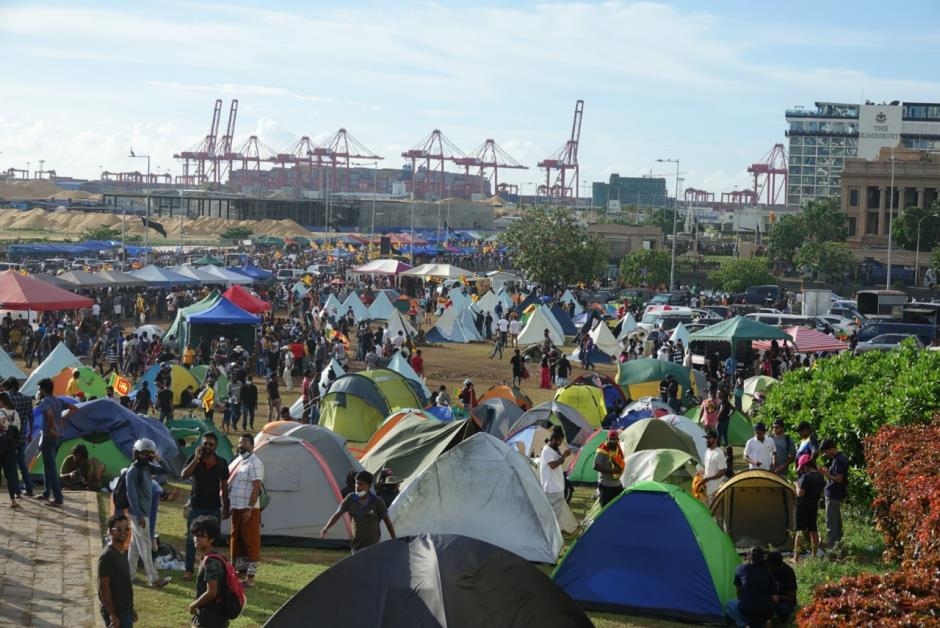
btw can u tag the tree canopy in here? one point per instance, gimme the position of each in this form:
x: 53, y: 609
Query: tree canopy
x: 737, y: 274
x: 647, y: 266
x: 904, y: 227
x: 102, y: 233
x: 552, y: 248
x: 236, y: 233
x: 819, y: 221
x: 830, y: 260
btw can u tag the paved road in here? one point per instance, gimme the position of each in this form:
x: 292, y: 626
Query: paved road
x: 48, y: 558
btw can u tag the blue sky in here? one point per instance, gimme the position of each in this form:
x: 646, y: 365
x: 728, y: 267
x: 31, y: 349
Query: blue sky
x: 705, y: 82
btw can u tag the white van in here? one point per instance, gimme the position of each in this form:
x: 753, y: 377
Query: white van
x: 783, y: 320
x: 285, y: 274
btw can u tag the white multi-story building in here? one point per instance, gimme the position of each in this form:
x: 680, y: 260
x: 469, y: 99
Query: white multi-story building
x: 821, y: 139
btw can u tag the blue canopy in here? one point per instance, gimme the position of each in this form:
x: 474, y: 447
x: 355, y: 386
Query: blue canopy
x: 158, y: 276
x: 223, y: 312
x: 250, y: 270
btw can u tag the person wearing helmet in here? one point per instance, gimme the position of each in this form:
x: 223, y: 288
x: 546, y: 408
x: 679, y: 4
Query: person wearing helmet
x: 140, y: 502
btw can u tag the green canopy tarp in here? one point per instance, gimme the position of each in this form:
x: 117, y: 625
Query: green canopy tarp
x: 178, y: 330
x: 740, y: 429
x: 640, y: 378
x: 739, y: 329
x: 208, y: 260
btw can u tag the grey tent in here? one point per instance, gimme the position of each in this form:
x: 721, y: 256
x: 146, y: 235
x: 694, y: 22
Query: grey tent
x: 431, y: 581
x: 497, y: 415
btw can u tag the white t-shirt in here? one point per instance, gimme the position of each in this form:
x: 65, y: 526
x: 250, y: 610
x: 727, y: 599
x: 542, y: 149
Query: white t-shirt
x: 553, y: 480
x: 503, y: 325
x: 515, y: 327
x: 714, y: 462
x: 760, y: 451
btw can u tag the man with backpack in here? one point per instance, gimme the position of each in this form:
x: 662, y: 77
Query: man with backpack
x: 220, y: 596
x: 138, y: 487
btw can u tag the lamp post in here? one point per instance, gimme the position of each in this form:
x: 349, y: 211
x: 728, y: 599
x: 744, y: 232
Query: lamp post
x: 917, y: 251
x: 147, y: 211
x: 375, y: 187
x: 675, y: 215
x: 890, y: 224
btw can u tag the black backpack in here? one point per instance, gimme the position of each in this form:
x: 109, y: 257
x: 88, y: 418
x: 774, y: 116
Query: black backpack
x: 120, y: 492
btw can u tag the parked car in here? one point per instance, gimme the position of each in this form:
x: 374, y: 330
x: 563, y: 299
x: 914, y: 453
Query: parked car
x: 840, y: 324
x: 887, y: 342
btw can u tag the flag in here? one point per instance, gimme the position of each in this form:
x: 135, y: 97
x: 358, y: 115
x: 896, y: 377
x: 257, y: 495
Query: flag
x: 156, y: 226
x: 120, y: 384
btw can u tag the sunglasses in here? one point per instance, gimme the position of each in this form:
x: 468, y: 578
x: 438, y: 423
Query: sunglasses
x: 120, y: 529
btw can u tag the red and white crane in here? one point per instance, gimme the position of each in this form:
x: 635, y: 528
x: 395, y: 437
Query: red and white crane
x: 436, y: 149
x: 488, y: 159
x: 770, y: 177
x: 563, y: 160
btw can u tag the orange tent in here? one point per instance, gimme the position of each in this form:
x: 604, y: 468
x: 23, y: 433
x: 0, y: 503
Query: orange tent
x: 391, y: 421
x: 511, y: 393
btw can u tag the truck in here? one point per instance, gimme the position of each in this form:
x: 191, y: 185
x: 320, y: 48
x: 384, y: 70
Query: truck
x: 816, y: 302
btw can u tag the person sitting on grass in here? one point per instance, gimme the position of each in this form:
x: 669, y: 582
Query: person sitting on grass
x: 78, y: 472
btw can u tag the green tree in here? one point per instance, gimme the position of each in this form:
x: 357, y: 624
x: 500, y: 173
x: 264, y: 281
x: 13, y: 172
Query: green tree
x: 552, y: 248
x: 785, y: 237
x: 830, y: 260
x: 824, y: 221
x: 236, y: 233
x: 737, y: 274
x: 656, y: 265
x: 905, y: 226
x: 102, y: 233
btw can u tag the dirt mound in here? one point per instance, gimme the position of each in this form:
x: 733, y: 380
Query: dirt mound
x: 28, y: 190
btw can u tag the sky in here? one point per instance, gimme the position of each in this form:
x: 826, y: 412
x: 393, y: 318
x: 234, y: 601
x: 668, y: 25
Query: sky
x: 706, y: 83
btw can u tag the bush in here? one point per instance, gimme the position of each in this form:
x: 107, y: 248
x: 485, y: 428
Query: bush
x: 850, y: 397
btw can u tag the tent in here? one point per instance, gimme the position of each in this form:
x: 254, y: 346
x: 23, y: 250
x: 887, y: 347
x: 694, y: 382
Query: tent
x: 564, y: 321
x: 382, y: 267
x: 82, y: 279
x: 487, y: 303
x: 534, y: 330
x: 605, y: 341
x: 8, y: 368
x: 324, y: 380
x: 640, y: 378
x: 396, y: 323
x: 178, y: 328
x: 258, y: 274
x: 99, y: 445
x: 191, y: 431
x: 576, y: 427
x: 331, y: 446
x: 226, y: 277
x: 680, y: 333
x: 303, y: 490
x: 124, y: 427
x: 381, y: 308
x: 456, y: 324
x: 356, y: 403
x: 120, y: 279
x: 246, y: 301
x: 198, y: 275
x: 431, y: 580
x: 642, y: 408
x: 208, y: 260
x: 496, y: 416
x: 691, y: 428
x: 180, y: 378
x: 400, y: 365
x: 568, y: 299
x: 588, y: 400
x: 626, y: 325
x: 484, y: 489
x: 440, y: 271
x: 273, y: 429
x: 581, y: 470
x: 21, y: 292
x: 669, y: 466
x: 512, y: 393
x: 739, y: 329
x: 661, y: 547
x: 612, y: 391
x: 59, y: 358
x: 161, y: 277
x: 222, y: 318
x: 360, y: 311
x: 656, y: 434
x: 412, y: 444
x: 89, y: 382
x: 407, y: 415
x: 756, y: 507
x: 739, y: 427
x: 333, y: 307
x: 530, y: 440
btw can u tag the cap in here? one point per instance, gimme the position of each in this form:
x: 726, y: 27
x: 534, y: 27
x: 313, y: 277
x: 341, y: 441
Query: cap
x: 802, y: 461
x: 613, y: 434
x: 711, y: 434
x: 778, y: 422
x: 760, y: 427
x: 391, y: 479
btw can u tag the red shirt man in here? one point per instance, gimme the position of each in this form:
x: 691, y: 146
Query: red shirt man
x: 417, y: 363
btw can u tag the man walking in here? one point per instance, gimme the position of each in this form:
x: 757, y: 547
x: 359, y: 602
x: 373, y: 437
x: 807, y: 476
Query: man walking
x: 609, y: 464
x: 552, y: 478
x: 24, y: 409
x: 244, y: 487
x: 249, y: 403
x: 114, y: 577
x: 140, y: 501
x: 209, y: 473
x: 517, y: 363
x: 366, y: 509
x: 759, y: 450
x: 53, y: 422
x: 837, y: 482
x: 715, y: 466
x: 274, y: 397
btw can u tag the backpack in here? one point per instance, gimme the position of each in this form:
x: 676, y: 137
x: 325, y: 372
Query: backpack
x: 120, y: 493
x: 231, y: 599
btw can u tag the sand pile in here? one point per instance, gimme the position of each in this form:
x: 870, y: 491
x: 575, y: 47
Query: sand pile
x: 28, y: 190
x: 76, y: 195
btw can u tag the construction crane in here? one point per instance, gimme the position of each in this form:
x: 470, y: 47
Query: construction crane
x: 341, y: 148
x: 739, y: 198
x: 489, y: 157
x: 434, y: 148
x: 770, y: 176
x: 204, y: 151
x: 566, y: 158
x: 224, y: 157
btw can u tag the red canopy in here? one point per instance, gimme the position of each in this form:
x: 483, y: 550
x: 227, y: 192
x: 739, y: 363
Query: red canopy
x: 21, y: 292
x: 245, y: 300
x: 807, y: 341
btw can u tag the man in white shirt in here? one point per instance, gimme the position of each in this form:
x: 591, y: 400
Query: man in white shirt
x: 714, y: 464
x: 552, y: 478
x: 759, y: 450
x: 515, y: 328
x: 244, y: 488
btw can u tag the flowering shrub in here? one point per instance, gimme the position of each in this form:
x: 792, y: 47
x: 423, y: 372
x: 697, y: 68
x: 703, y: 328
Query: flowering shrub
x: 902, y: 464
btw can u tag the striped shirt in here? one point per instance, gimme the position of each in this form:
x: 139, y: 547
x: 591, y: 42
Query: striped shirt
x: 240, y: 483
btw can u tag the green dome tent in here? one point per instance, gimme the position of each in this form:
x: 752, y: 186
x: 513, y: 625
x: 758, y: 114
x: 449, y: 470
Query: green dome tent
x: 357, y: 403
x: 582, y: 470
x: 586, y: 399
x: 740, y: 429
x: 100, y: 446
x: 656, y: 434
x: 191, y: 432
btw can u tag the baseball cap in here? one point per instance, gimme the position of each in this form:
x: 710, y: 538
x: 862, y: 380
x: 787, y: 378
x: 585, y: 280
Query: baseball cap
x: 760, y: 427
x: 803, y: 460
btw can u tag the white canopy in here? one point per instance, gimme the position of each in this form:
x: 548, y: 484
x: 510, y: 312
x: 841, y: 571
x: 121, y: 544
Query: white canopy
x: 441, y: 271
x: 382, y: 267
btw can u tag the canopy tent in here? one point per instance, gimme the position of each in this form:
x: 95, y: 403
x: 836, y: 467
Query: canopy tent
x: 246, y: 301
x: 669, y: 466
x: 21, y: 292
x: 250, y: 270
x: 382, y: 267
x: 121, y: 280
x: 179, y: 330
x: 484, y: 489
x: 59, y: 358
x: 161, y: 277
x: 807, y: 340
x: 360, y: 311
x: 498, y: 279
x: 431, y: 580
x: 456, y: 324
x: 661, y: 547
x: 208, y: 260
x: 756, y: 507
x: 381, y: 308
x: 226, y: 277
x: 8, y: 368
x: 439, y: 271
x: 222, y: 318
x: 640, y: 378
x: 81, y: 279
x: 198, y: 275
x: 739, y: 329
x: 53, y: 279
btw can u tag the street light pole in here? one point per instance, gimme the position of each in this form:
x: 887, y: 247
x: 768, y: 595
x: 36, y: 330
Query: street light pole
x: 890, y: 224
x: 675, y: 215
x: 147, y: 211
x: 375, y: 187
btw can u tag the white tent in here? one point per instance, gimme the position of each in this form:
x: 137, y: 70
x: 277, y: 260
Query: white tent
x: 360, y: 311
x: 381, y: 308
x: 484, y: 489
x: 487, y: 303
x: 458, y: 298
x: 226, y: 276
x: 680, y: 333
x: 396, y: 323
x: 505, y: 299
x: 499, y: 278
x: 333, y: 307
x: 8, y: 368
x: 456, y: 324
x: 441, y: 271
x: 604, y: 340
x: 381, y: 267
x: 297, y: 409
x: 690, y: 427
x: 567, y: 297
x: 194, y: 272
x: 627, y: 324
x: 58, y: 359
x: 400, y: 365
x: 534, y: 330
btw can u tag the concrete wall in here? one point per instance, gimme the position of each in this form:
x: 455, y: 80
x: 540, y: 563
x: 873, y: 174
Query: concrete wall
x: 458, y: 214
